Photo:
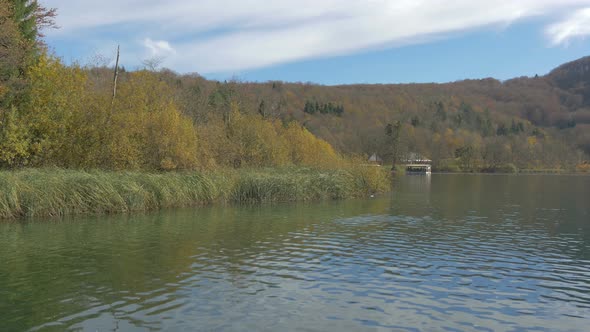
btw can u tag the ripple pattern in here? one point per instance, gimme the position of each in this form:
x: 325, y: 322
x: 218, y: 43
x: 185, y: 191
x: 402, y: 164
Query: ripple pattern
x: 329, y: 267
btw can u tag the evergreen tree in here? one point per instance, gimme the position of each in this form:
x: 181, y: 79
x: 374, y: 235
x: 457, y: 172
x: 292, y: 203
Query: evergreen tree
x: 24, y: 16
x: 441, y: 114
x: 262, y: 109
x: 393, y: 131
x: 31, y: 18
x: 502, y: 131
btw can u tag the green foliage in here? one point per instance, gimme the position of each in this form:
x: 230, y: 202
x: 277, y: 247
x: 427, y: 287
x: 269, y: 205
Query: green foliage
x: 322, y: 108
x: 393, y: 132
x: 506, y: 168
x: 24, y: 11
x: 31, y: 17
x: 467, y: 158
x: 447, y: 165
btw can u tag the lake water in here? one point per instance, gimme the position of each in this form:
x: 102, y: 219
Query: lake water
x: 447, y: 252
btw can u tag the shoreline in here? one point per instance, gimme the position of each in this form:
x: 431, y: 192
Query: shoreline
x: 518, y: 173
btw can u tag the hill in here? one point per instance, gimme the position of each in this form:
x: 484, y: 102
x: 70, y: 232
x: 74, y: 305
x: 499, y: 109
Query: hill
x: 532, y: 122
x: 574, y: 77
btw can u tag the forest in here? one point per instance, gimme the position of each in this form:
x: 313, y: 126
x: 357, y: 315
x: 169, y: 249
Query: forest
x: 529, y: 124
x: 75, y: 116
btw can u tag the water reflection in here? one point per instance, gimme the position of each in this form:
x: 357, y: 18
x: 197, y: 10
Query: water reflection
x: 446, y: 252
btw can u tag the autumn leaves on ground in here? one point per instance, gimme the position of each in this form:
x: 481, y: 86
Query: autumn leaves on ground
x: 69, y: 147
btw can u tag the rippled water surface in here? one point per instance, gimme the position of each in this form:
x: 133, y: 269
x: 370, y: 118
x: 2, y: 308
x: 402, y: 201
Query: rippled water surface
x: 449, y: 252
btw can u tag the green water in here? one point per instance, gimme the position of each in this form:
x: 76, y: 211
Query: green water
x: 454, y: 252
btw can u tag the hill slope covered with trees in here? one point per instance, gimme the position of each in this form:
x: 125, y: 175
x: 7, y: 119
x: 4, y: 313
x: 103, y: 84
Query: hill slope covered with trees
x: 528, y: 122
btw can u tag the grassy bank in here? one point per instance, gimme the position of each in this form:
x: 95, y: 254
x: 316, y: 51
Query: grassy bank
x: 57, y: 192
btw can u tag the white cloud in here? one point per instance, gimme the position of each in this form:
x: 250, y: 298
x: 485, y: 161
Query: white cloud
x: 576, y: 25
x: 158, y: 48
x: 233, y: 35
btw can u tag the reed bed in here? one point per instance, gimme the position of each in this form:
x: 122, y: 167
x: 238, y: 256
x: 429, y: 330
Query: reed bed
x: 56, y: 192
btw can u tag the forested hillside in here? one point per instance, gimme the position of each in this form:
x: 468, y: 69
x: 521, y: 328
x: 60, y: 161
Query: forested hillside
x: 53, y: 114
x: 532, y: 123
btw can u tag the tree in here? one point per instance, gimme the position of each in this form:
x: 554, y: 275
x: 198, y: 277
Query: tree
x: 393, y: 131
x: 153, y: 63
x: 262, y: 109
x: 309, y: 108
x: 20, y: 24
x: 56, y: 95
x: 441, y: 114
x: 496, y: 153
x: 224, y: 100
x: 13, y: 133
x: 14, y: 143
x: 12, y: 57
x: 502, y: 130
x: 467, y: 156
x: 32, y: 18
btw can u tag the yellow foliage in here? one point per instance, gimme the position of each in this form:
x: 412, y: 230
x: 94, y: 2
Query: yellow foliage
x: 73, y: 124
x: 14, y: 144
x: 57, y: 93
x: 72, y: 121
x: 246, y: 140
x: 532, y: 141
x: 308, y: 150
x: 257, y: 141
x: 170, y: 141
x: 436, y: 138
x: 251, y: 141
x: 144, y: 129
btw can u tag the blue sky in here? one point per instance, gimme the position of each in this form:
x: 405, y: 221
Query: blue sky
x: 328, y: 41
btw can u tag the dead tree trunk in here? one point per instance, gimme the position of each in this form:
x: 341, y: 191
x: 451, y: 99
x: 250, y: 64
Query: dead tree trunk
x: 115, y: 78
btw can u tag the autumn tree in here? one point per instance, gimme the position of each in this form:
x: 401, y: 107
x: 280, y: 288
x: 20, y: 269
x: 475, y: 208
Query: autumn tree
x: 13, y: 141
x: 13, y: 48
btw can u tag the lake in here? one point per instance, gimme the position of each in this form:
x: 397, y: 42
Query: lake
x: 446, y: 252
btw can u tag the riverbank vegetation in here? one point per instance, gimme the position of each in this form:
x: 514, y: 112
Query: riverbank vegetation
x: 58, y: 192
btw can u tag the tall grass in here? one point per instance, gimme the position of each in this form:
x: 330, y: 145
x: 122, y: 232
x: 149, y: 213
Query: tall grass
x: 57, y: 192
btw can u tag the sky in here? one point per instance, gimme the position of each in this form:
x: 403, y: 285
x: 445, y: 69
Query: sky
x: 327, y: 41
